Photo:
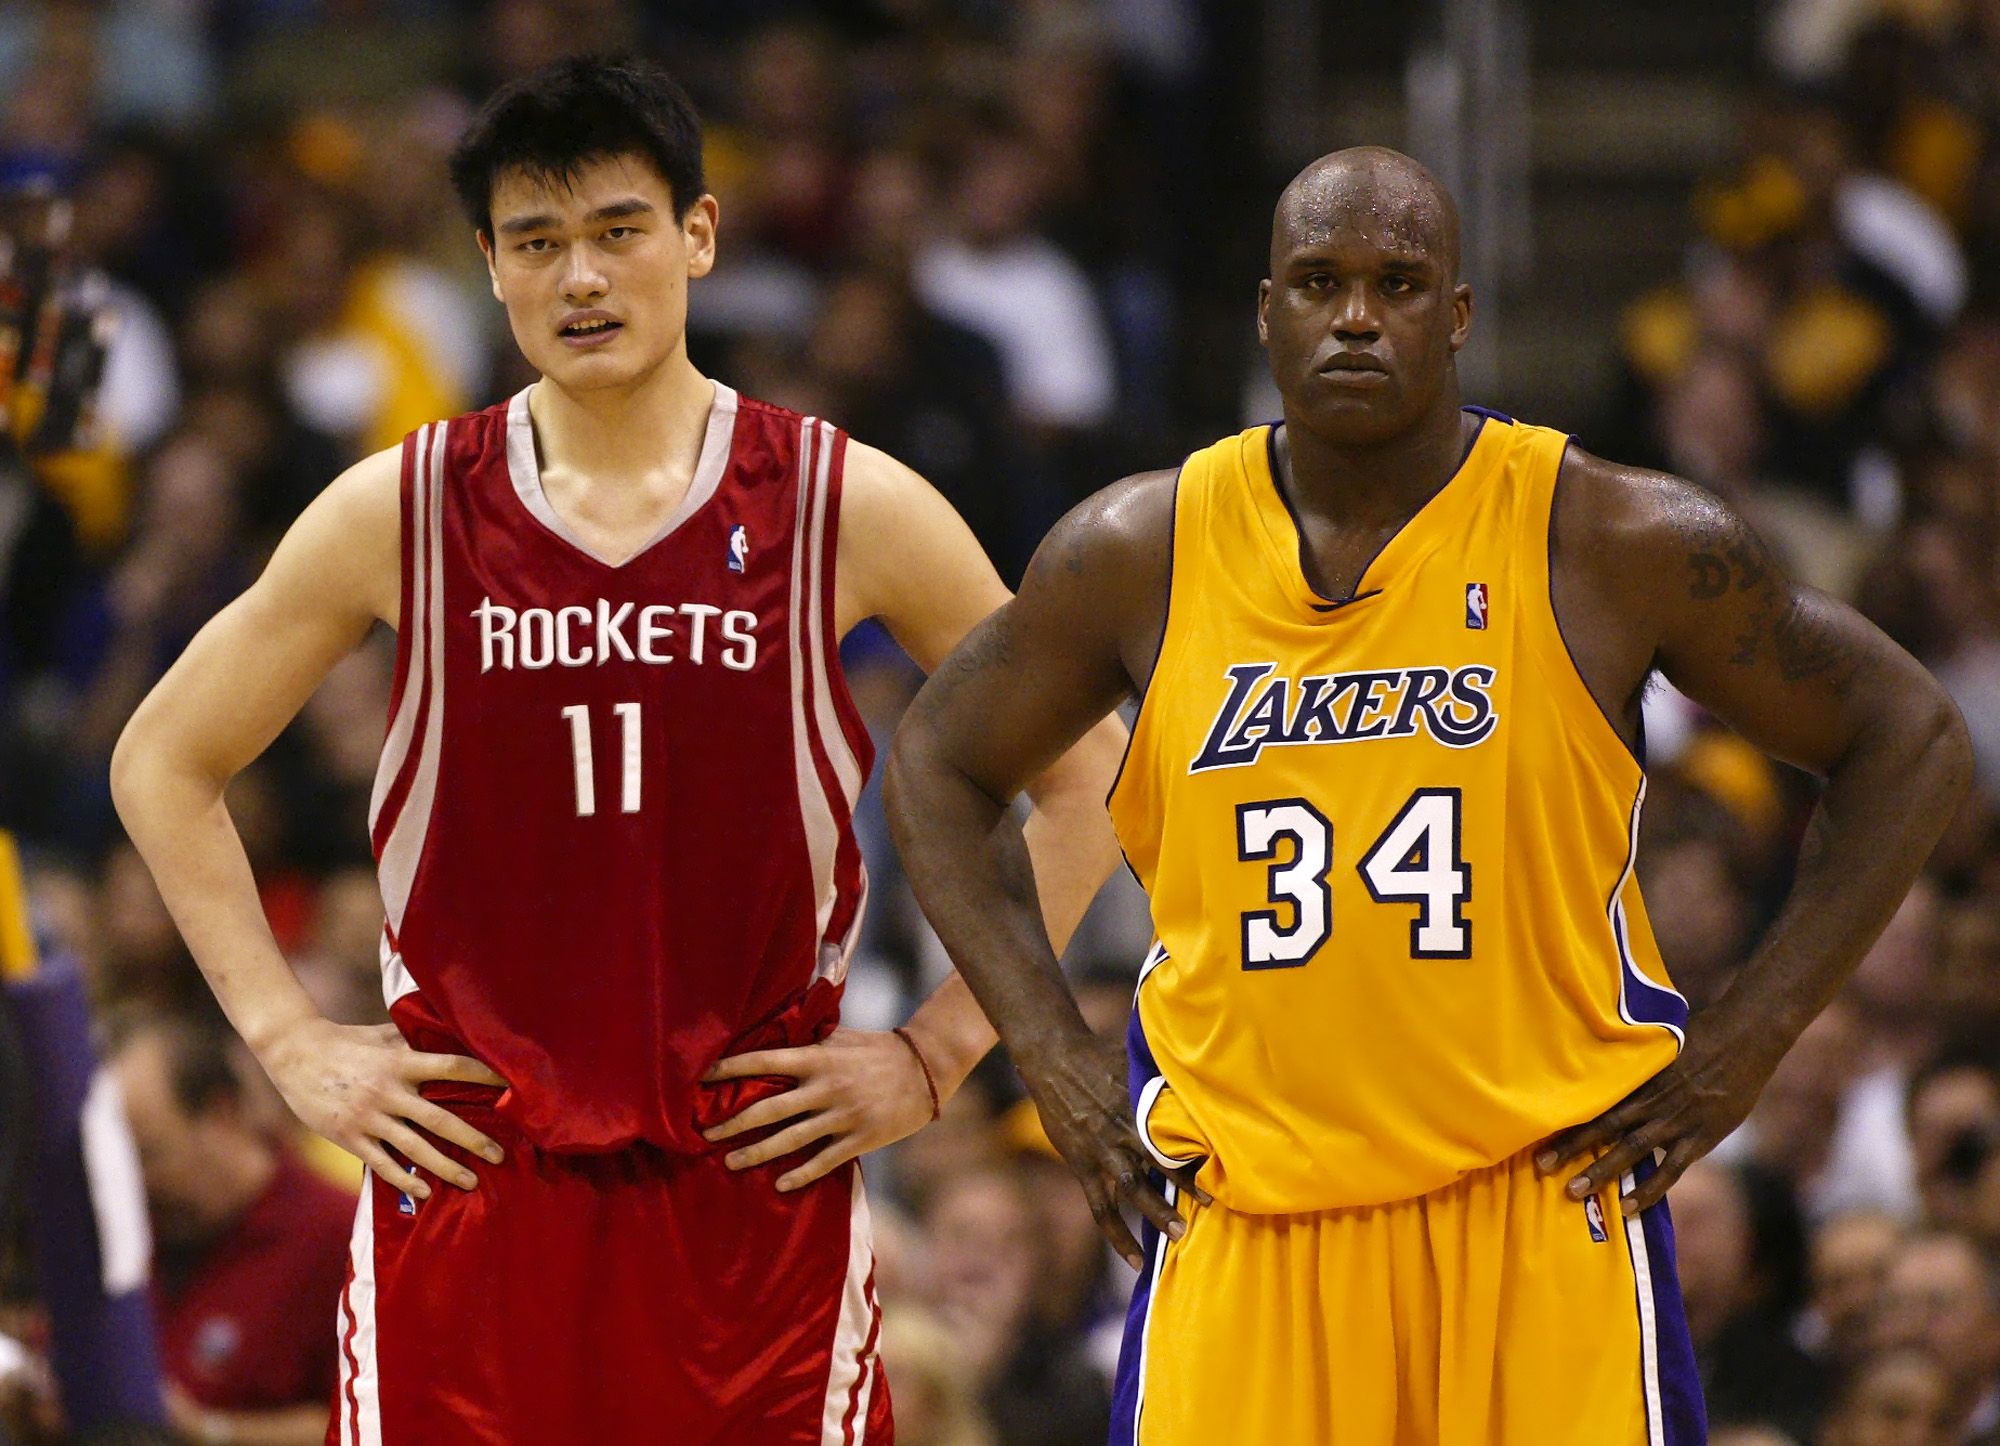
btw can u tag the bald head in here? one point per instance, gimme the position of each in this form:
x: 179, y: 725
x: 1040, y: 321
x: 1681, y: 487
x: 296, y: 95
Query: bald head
x: 1372, y: 189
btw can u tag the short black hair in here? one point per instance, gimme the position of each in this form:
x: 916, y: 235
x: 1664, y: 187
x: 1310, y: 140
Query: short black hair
x: 586, y: 108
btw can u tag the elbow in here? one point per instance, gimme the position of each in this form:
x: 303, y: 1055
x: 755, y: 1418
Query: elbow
x: 1949, y: 743
x: 127, y: 763
x: 1933, y: 745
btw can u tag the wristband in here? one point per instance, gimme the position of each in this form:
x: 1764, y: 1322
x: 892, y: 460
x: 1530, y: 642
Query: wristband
x: 930, y: 1080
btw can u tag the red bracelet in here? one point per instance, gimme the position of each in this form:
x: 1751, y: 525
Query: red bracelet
x: 930, y: 1081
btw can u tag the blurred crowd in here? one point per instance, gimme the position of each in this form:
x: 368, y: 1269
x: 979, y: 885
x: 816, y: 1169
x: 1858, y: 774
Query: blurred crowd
x: 982, y: 236
x: 1829, y: 360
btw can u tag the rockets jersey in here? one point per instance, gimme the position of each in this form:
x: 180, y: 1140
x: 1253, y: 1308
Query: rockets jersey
x: 612, y: 819
x: 1388, y: 844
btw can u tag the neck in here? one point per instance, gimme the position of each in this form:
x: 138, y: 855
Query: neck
x: 1375, y: 484
x: 615, y: 433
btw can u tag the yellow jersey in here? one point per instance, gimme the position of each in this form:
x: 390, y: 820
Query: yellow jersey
x: 1388, y: 844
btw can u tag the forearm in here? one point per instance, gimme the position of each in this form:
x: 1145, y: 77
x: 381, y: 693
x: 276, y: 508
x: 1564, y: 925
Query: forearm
x: 178, y: 821
x: 1884, y: 808
x: 968, y: 863
x: 1069, y: 835
x: 1072, y: 849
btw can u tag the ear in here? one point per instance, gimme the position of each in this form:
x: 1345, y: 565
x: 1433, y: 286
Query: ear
x: 699, y: 226
x: 1263, y: 305
x: 1461, y: 315
x: 492, y: 270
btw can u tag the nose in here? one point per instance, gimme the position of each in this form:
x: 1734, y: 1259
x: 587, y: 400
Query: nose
x: 1354, y: 320
x: 583, y: 280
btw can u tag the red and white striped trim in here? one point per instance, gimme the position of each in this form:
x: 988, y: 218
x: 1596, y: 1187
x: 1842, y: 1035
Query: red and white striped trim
x: 857, y: 1367
x: 829, y: 771
x: 358, y: 1403
x: 399, y: 813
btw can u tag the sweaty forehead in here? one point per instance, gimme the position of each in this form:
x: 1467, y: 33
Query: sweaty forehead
x: 1379, y: 198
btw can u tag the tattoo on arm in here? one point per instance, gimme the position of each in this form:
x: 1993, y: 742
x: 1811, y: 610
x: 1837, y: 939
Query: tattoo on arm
x: 987, y: 647
x: 1802, y: 644
x: 1808, y: 645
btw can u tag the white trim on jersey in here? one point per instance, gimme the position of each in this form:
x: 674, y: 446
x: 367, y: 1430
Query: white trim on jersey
x: 423, y: 694
x: 815, y: 811
x: 1142, y: 1114
x: 812, y: 667
x: 1158, y: 1266
x: 1649, y: 1325
x: 1628, y: 967
x: 846, y: 767
x: 856, y: 1368
x: 357, y: 1406
x: 524, y: 469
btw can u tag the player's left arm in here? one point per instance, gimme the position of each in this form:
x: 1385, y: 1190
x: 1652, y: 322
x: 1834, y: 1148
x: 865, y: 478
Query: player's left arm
x: 1671, y: 577
x: 907, y: 558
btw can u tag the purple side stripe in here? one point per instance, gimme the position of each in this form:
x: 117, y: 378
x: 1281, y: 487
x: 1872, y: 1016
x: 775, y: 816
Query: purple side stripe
x: 1683, y: 1414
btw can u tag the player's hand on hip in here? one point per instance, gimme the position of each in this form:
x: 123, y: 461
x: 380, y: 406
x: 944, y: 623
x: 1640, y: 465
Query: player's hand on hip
x: 858, y: 1089
x: 1081, y: 1095
x: 358, y: 1086
x: 1677, y: 1116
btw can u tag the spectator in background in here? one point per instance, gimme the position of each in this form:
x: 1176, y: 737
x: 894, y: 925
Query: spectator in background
x: 1898, y: 1398
x: 929, y: 393
x: 1850, y: 1262
x: 138, y: 960
x: 987, y: 1254
x: 1942, y: 1296
x: 996, y: 274
x: 1740, y: 1245
x: 935, y: 1404
x: 1954, y: 1127
x: 251, y: 1248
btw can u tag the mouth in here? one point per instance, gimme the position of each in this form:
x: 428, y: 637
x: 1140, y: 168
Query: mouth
x: 590, y: 328
x: 1354, y: 372
x: 1349, y: 365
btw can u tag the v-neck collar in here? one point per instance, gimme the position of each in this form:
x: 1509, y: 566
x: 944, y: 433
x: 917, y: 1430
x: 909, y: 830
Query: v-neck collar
x: 1285, y: 538
x: 524, y: 469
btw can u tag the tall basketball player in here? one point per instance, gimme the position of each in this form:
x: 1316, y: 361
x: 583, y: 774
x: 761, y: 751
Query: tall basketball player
x: 1384, y: 791
x: 614, y: 829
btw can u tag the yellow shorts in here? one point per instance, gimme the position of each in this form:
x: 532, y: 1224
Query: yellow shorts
x: 1492, y: 1312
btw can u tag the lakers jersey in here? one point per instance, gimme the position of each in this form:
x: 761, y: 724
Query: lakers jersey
x: 1388, y: 843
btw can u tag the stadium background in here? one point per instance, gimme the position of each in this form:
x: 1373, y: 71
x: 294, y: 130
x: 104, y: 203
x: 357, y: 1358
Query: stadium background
x: 1016, y: 244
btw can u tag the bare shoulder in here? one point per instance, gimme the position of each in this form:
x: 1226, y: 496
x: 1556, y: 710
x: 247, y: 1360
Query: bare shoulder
x: 345, y: 551
x: 872, y: 482
x: 1124, y: 533
x: 1632, y: 528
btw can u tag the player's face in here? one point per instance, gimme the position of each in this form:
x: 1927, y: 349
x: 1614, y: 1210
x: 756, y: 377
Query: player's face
x: 1361, y: 323
x: 594, y: 275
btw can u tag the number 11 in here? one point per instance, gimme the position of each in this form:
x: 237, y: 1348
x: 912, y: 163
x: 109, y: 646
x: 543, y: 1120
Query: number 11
x: 578, y: 717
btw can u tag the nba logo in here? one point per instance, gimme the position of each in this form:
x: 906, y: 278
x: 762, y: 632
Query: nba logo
x: 739, y: 547
x: 1475, y: 606
x: 1593, y: 1215
x: 406, y: 1205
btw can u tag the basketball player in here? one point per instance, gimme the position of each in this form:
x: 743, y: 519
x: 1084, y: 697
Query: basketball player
x: 1404, y: 1051
x: 613, y: 823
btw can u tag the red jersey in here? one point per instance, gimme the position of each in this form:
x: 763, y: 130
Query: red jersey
x: 245, y: 1328
x: 613, y: 817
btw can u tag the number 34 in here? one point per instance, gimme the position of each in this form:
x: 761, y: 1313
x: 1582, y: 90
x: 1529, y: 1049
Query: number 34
x: 1417, y: 858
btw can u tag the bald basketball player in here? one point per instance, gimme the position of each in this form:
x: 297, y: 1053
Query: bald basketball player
x: 1407, y: 1075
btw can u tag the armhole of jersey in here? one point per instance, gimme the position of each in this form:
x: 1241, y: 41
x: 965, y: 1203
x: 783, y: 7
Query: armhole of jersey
x: 843, y: 701
x: 1174, y: 555
x: 405, y: 584
x: 1539, y: 547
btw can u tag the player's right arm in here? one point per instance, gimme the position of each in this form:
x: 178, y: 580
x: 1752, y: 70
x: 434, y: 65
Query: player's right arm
x: 1079, y: 638
x: 243, y: 678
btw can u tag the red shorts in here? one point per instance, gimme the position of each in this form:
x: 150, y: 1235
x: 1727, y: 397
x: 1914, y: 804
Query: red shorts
x: 630, y: 1298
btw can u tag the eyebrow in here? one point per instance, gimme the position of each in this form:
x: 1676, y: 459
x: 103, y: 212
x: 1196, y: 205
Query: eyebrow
x: 542, y: 220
